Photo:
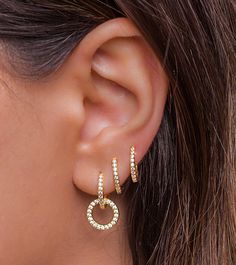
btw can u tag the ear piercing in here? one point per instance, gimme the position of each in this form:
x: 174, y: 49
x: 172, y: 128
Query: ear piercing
x: 103, y: 201
x: 133, y: 165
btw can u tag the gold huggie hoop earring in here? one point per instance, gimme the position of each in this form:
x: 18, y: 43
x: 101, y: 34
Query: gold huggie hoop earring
x: 101, y: 191
x: 116, y: 176
x: 102, y: 201
x: 133, y: 165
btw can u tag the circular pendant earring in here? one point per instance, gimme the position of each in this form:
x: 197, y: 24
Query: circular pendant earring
x: 103, y: 202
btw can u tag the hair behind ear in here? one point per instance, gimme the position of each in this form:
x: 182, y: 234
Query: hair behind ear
x: 183, y: 215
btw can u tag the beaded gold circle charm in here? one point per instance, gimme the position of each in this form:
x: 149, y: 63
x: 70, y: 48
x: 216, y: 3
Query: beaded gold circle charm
x: 103, y: 202
x: 95, y: 224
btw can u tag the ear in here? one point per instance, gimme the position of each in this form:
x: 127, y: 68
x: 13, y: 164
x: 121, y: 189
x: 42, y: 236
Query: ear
x: 124, y: 89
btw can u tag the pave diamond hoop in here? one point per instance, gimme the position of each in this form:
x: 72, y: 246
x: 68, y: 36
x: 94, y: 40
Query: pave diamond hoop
x: 101, y: 191
x: 116, y: 175
x: 103, y: 202
x: 133, y: 165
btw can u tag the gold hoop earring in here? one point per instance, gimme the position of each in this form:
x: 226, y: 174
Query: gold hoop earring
x: 101, y: 191
x: 102, y: 201
x: 116, y: 175
x: 133, y: 165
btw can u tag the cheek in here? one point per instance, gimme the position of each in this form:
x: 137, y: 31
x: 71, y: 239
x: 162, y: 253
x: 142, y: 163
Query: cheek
x: 37, y: 143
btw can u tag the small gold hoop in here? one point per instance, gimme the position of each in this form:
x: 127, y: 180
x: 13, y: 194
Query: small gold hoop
x: 95, y: 224
x: 116, y: 175
x: 133, y: 165
x: 101, y: 191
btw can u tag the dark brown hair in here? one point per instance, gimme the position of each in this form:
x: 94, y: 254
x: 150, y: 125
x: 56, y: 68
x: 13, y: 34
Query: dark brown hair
x: 183, y: 209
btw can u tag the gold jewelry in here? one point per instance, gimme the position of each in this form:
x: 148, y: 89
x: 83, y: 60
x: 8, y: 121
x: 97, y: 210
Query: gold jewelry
x: 133, y: 165
x: 102, y: 201
x: 101, y: 191
x: 115, y: 175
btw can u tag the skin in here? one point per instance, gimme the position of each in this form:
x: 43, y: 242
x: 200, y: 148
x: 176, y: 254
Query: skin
x: 58, y: 133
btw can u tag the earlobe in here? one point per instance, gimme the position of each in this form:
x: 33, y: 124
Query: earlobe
x: 124, y: 88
